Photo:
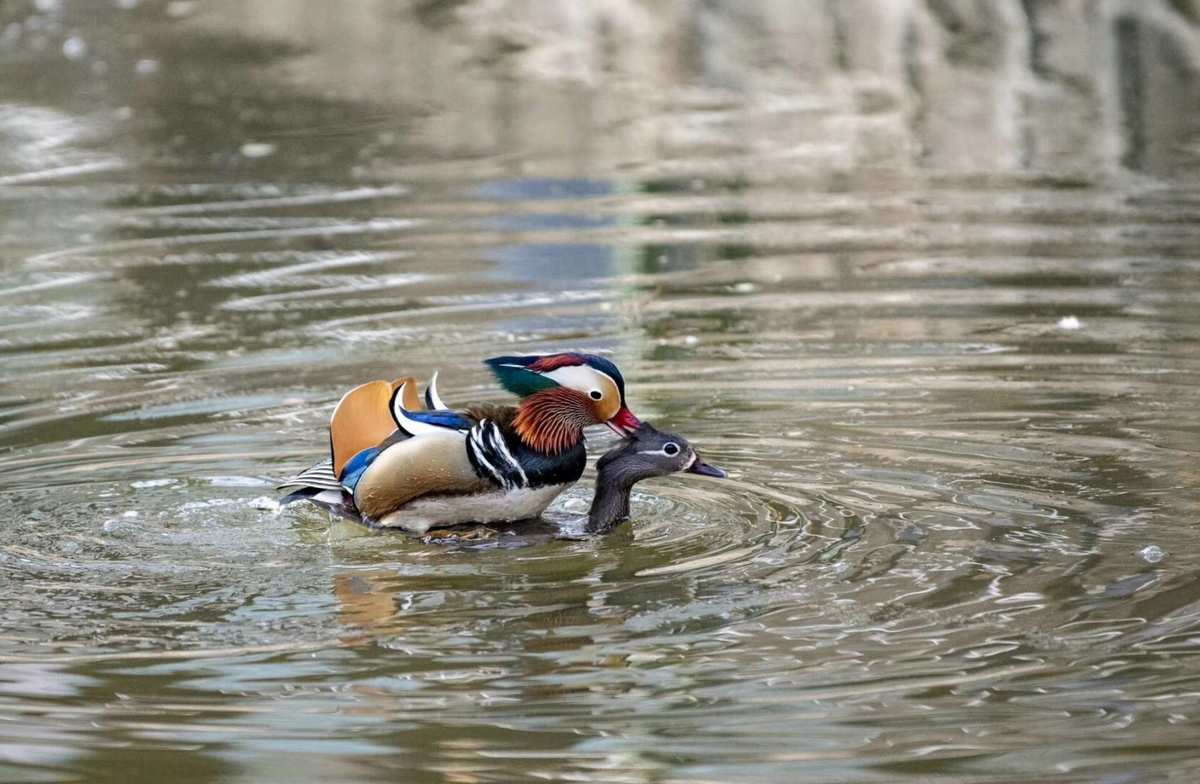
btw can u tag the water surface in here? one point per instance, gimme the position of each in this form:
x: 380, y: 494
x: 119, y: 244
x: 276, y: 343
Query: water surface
x: 923, y: 277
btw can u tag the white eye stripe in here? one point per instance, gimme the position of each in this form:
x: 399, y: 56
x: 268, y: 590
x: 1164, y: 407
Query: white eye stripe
x: 662, y: 452
x: 605, y: 375
x: 579, y: 377
x: 562, y: 377
x: 584, y: 379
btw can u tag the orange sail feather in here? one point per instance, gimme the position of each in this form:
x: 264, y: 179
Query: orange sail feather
x: 362, y: 418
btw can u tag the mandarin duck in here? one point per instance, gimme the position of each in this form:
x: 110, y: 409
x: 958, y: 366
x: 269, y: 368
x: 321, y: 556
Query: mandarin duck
x: 646, y: 453
x: 395, y: 464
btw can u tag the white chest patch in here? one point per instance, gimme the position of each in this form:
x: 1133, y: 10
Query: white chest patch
x: 421, y: 514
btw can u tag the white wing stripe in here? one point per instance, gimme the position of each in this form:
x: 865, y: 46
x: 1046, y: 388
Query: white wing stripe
x: 410, y: 426
x: 501, y: 448
x: 477, y: 452
x: 432, y: 398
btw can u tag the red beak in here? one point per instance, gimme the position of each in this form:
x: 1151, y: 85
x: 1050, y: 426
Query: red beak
x: 623, y: 423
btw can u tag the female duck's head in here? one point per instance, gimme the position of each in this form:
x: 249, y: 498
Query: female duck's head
x: 563, y: 393
x: 646, y: 453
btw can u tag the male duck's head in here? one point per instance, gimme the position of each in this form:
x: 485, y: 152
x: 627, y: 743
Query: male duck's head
x: 590, y: 386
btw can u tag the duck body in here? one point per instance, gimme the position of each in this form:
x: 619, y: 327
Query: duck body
x: 646, y: 453
x: 481, y: 471
x: 396, y: 464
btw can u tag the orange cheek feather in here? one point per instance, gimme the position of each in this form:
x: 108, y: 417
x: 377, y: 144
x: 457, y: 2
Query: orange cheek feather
x: 552, y: 421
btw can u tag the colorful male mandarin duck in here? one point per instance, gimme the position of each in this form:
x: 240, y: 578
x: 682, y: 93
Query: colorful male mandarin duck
x: 396, y: 465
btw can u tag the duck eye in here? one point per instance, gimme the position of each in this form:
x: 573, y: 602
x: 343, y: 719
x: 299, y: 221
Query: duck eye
x: 671, y: 449
x: 595, y: 394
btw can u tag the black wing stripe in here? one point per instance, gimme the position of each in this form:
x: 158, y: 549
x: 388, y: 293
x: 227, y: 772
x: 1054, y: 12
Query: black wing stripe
x: 499, y: 454
x: 483, y: 468
x: 491, y: 458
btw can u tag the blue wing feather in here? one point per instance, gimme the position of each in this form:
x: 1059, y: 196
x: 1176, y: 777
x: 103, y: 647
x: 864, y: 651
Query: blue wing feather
x: 353, y: 470
x: 355, y: 466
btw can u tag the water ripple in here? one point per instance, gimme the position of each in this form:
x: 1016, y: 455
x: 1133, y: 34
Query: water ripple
x: 958, y: 406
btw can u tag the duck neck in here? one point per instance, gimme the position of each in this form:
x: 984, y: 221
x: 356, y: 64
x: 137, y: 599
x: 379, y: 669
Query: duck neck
x: 552, y: 421
x: 610, y: 504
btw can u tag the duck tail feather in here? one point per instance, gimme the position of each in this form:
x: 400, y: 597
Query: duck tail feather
x: 317, y: 477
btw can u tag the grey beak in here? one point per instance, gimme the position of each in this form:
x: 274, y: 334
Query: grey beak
x: 704, y: 469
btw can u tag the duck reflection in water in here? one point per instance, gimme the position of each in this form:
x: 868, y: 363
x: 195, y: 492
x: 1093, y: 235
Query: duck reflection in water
x: 368, y: 599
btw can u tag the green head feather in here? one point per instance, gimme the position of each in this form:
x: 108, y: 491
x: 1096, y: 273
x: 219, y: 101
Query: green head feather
x: 513, y: 375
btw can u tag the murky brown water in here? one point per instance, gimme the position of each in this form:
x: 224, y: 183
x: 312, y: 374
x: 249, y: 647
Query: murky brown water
x: 923, y: 275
